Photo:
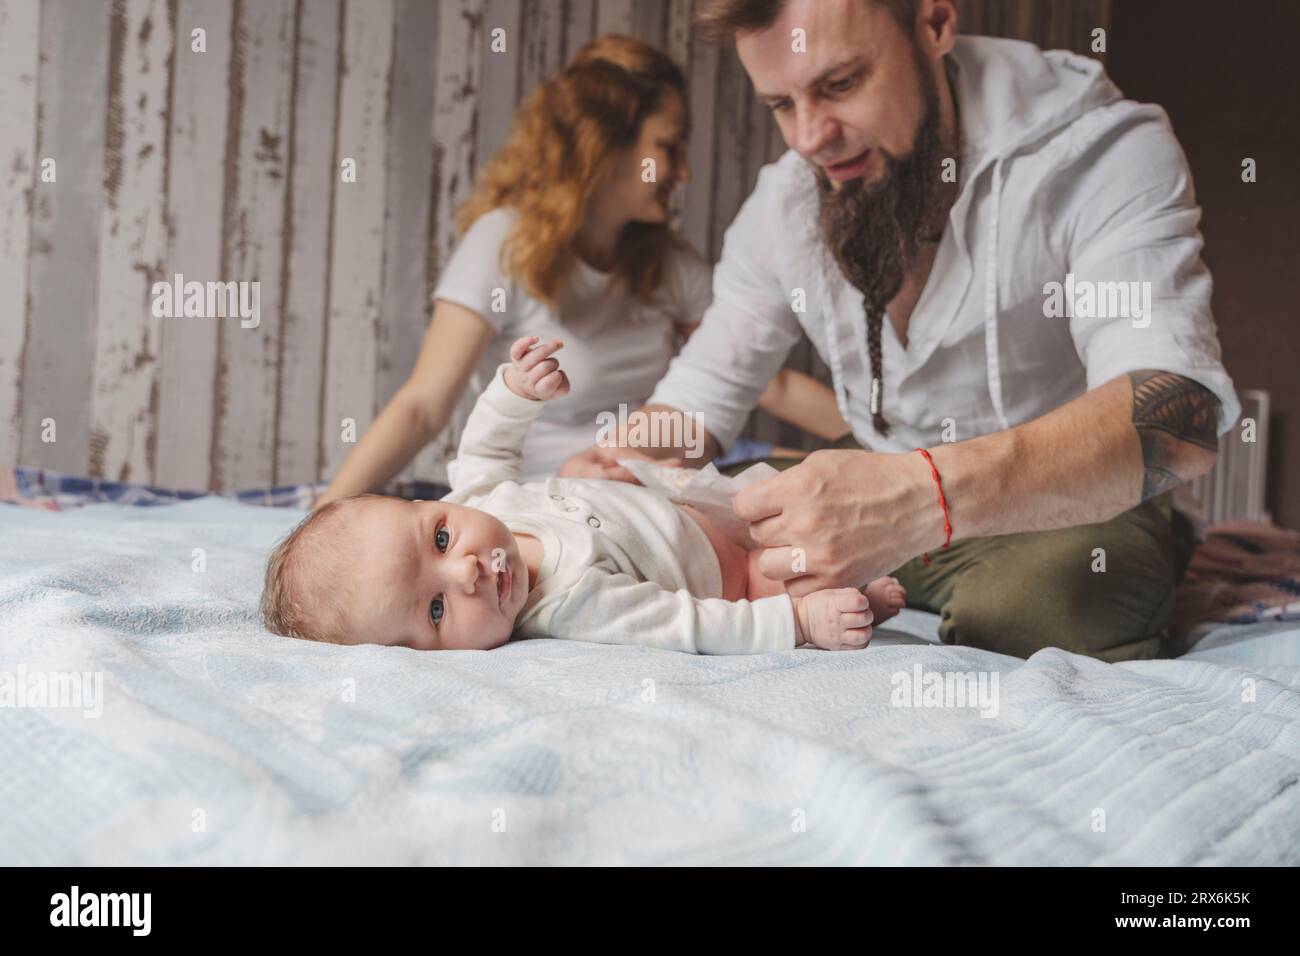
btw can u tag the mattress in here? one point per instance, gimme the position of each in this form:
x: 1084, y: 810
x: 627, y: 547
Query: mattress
x: 210, y: 741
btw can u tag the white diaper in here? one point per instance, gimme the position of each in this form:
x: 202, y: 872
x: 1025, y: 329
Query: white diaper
x: 704, y: 488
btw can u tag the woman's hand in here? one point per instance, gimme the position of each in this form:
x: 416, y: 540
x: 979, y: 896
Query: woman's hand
x: 533, y: 373
x: 602, y: 461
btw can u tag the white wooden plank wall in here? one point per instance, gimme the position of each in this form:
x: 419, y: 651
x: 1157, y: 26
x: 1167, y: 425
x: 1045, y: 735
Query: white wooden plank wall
x: 313, y: 172
x: 53, y: 378
x: 356, y: 273
x: 226, y: 164
x: 20, y: 46
x: 200, y: 99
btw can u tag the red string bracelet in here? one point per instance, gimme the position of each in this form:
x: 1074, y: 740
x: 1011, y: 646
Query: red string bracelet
x: 943, y: 503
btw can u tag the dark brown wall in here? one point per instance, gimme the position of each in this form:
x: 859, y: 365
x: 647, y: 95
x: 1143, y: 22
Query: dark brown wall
x: 1225, y: 73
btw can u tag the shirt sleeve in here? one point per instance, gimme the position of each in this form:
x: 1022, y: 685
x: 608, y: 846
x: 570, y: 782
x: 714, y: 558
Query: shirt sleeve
x: 1137, y: 223
x: 692, y: 284
x: 746, y: 332
x: 491, y: 442
x: 613, y: 608
x: 474, y: 276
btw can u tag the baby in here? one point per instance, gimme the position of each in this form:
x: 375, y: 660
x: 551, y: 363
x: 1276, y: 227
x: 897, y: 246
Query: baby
x: 585, y: 560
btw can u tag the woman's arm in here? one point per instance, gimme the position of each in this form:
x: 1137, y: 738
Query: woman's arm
x: 418, y: 411
x: 803, y: 401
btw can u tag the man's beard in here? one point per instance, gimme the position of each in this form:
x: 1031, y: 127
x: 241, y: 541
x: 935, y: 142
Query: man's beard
x: 875, y: 232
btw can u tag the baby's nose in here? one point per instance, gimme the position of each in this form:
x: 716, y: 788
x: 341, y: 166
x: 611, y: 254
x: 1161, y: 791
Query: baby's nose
x: 468, y: 571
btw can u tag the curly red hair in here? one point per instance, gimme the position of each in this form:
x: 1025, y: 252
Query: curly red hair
x: 561, y: 146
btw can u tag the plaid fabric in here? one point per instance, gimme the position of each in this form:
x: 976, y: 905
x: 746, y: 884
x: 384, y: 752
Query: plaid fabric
x: 1244, y: 572
x: 745, y: 449
x: 53, y: 491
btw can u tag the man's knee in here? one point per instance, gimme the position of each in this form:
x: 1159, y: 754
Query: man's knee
x: 1062, y: 592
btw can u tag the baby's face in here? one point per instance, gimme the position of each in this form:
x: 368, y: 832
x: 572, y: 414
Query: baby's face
x: 433, y: 576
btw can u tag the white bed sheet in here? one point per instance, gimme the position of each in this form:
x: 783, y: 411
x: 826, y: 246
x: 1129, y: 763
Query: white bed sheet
x: 219, y: 743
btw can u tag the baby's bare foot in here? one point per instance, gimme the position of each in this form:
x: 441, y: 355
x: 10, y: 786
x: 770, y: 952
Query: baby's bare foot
x: 887, y: 597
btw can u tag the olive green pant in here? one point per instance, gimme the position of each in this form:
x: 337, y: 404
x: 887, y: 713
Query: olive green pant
x: 1104, y: 590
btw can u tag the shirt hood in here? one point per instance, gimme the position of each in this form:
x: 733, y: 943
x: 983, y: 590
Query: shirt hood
x: 1010, y: 96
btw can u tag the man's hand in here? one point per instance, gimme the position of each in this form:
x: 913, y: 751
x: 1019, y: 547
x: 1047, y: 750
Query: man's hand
x: 842, y: 518
x: 602, y: 462
x: 533, y: 373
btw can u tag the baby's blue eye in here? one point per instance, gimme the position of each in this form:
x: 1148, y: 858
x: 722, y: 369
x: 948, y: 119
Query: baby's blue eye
x: 435, y: 610
x: 441, y: 538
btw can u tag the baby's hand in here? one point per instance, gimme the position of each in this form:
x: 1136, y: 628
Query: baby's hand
x: 533, y: 373
x: 834, y: 619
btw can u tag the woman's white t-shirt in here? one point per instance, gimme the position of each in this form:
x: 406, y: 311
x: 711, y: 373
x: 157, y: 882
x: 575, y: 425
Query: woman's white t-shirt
x: 616, y: 346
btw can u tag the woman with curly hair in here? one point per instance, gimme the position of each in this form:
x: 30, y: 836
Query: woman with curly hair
x: 566, y: 237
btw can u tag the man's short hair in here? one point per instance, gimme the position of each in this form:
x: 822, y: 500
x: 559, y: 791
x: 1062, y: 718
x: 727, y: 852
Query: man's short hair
x: 721, y: 20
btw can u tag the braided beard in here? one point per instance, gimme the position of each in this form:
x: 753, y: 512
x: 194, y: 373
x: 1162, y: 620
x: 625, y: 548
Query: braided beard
x: 876, y: 232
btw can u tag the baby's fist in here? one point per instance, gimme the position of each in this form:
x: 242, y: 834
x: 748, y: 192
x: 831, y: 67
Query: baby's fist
x: 834, y: 619
x: 533, y: 373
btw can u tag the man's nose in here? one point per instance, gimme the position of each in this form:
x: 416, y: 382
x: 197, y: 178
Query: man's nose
x: 815, y: 129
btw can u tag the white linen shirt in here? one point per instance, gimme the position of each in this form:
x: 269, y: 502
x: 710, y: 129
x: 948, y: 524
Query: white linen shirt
x: 623, y: 565
x: 1060, y: 176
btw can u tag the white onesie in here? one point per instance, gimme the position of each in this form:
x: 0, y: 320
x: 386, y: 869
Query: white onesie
x: 623, y: 565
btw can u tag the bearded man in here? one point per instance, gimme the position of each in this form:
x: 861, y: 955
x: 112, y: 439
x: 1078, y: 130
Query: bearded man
x: 997, y: 256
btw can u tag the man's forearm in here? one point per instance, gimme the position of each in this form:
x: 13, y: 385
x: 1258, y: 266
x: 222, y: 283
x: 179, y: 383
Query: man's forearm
x: 1135, y: 437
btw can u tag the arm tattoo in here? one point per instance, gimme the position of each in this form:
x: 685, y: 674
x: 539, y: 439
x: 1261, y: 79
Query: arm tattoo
x: 1170, y: 412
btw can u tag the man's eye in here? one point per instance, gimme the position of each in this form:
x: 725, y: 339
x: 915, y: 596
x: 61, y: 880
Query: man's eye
x: 435, y: 610
x: 842, y: 86
x: 441, y: 538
